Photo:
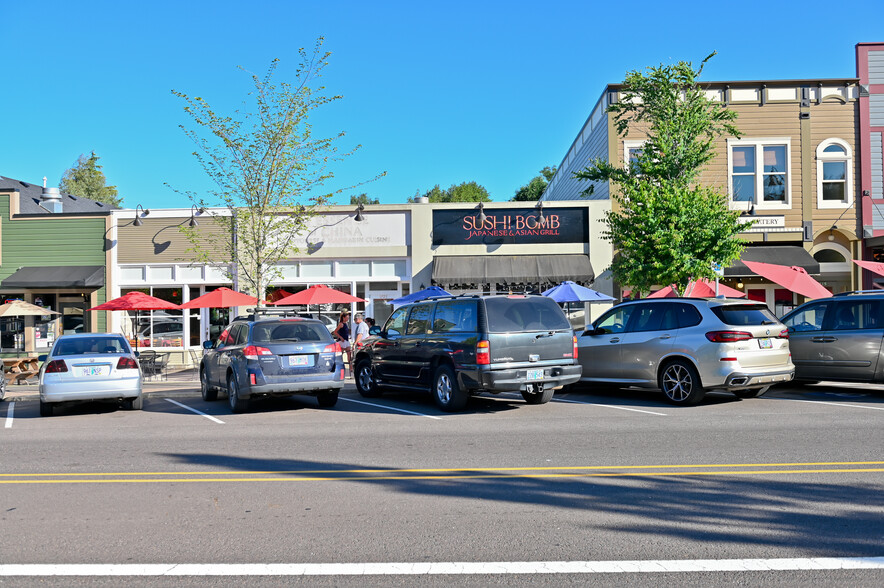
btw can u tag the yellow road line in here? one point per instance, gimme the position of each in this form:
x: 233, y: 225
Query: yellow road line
x: 446, y: 470
x: 446, y: 477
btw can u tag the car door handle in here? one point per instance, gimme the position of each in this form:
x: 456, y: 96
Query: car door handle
x: 615, y: 340
x: 665, y: 336
x: 824, y: 339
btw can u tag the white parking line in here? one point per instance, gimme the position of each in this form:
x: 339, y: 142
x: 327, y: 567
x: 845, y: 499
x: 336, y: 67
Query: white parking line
x: 392, y: 408
x: 208, y: 416
x: 10, y: 412
x: 828, y: 403
x: 448, y: 568
x: 609, y: 406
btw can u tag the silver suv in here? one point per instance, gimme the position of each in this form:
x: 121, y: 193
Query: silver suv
x: 838, y: 338
x: 685, y: 346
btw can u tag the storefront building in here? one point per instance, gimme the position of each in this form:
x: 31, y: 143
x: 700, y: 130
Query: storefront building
x: 793, y: 171
x: 870, y: 69
x: 53, y: 253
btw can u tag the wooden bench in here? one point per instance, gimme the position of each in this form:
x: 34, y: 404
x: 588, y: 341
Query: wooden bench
x: 20, y: 369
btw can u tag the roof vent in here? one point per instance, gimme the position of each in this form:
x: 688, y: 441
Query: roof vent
x: 51, y: 200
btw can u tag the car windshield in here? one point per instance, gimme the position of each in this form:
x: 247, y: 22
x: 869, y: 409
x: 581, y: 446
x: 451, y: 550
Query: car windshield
x: 745, y: 315
x: 86, y: 345
x: 507, y: 314
x: 290, y: 331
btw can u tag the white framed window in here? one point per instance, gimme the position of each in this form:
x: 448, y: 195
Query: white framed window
x: 631, y: 151
x: 759, y: 173
x: 834, y: 174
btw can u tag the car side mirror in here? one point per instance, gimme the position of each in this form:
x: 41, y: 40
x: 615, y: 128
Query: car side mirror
x: 42, y: 357
x: 593, y: 331
x: 375, y: 330
x: 207, y: 344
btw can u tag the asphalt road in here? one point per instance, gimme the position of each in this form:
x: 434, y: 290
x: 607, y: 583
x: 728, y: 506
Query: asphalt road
x: 772, y: 482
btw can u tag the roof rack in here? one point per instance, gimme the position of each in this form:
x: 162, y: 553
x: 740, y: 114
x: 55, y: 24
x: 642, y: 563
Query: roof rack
x: 256, y: 313
x: 875, y: 291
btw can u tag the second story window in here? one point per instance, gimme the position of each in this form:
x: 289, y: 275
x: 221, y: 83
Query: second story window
x: 758, y: 170
x: 833, y: 174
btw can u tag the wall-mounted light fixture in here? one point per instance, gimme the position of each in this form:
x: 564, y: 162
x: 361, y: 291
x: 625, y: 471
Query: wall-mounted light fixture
x: 482, y: 216
x: 540, y: 218
x: 144, y: 212
x: 194, y: 212
x: 359, y: 218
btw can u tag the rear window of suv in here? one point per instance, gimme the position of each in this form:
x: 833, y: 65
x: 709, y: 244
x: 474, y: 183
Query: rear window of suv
x: 290, y: 331
x: 745, y: 315
x: 534, y: 313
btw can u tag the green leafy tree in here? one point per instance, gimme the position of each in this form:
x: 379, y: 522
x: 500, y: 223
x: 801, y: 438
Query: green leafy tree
x: 465, y: 192
x: 363, y: 199
x: 85, y: 179
x: 667, y: 229
x: 268, y: 168
x: 533, y: 190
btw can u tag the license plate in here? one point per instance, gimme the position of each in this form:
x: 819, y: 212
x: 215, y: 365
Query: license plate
x: 535, y: 374
x: 91, y: 371
x: 765, y: 343
x: 300, y: 360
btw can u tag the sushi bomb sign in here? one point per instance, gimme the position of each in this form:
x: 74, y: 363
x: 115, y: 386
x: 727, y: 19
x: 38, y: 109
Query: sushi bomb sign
x: 510, y: 225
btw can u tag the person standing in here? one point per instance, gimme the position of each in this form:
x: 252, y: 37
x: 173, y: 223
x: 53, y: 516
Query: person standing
x: 342, y: 334
x: 361, y: 329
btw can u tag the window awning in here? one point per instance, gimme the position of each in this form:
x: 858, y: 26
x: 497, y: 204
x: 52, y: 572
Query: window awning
x: 787, y: 255
x: 69, y: 276
x: 482, y: 269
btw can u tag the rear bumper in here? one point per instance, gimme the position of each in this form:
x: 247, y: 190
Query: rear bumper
x: 298, y: 387
x: 738, y: 380
x: 516, y: 379
x: 56, y: 391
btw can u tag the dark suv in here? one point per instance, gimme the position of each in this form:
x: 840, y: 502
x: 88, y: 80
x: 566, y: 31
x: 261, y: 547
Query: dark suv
x: 266, y: 355
x: 462, y: 345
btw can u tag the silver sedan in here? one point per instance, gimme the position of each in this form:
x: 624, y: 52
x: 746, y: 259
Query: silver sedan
x: 90, y: 366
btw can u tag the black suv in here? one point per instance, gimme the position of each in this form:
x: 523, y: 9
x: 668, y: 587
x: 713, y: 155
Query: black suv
x: 462, y: 345
x: 272, y: 355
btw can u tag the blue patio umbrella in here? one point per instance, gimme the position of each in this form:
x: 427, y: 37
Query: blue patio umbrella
x: 568, y: 291
x: 420, y: 295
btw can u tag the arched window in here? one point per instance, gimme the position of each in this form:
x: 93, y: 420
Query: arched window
x: 834, y: 174
x: 829, y: 256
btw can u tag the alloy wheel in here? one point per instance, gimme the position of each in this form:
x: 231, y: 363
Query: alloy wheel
x: 677, y: 383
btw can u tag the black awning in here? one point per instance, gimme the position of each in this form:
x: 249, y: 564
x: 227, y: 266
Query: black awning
x: 68, y: 276
x: 487, y: 269
x: 788, y: 255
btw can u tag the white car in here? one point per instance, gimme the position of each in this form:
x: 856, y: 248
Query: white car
x: 90, y: 366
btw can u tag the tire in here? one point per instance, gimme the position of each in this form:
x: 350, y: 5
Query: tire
x: 327, y: 399
x: 133, y: 403
x: 208, y: 393
x: 237, y: 404
x: 446, y: 392
x: 751, y: 393
x: 46, y: 409
x: 366, y: 384
x: 681, y: 384
x: 538, y: 397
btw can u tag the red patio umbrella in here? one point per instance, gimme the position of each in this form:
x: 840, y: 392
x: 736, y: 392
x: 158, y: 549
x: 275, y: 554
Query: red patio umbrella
x: 277, y: 294
x: 137, y: 301
x: 318, y: 294
x: 221, y: 298
x: 792, y: 278
x: 700, y: 289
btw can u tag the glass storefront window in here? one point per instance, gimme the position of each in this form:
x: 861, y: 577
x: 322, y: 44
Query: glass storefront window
x: 45, y: 327
x: 12, y: 328
x: 157, y: 328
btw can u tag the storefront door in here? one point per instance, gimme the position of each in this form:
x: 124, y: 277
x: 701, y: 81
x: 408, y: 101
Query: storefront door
x: 74, y: 318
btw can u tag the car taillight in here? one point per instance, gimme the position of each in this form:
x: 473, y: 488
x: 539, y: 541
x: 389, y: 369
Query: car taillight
x: 55, y: 366
x: 784, y: 334
x: 483, y: 353
x: 253, y: 351
x: 728, y: 336
x: 127, y: 363
x: 575, y: 347
x: 333, y: 348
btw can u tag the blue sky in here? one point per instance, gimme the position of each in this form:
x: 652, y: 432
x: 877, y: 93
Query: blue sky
x: 436, y: 93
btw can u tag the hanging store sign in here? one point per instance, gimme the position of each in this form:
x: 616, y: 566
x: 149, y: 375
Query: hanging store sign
x: 510, y: 225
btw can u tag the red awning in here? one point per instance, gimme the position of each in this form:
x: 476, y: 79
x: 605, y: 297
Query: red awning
x: 792, y: 278
x: 872, y: 266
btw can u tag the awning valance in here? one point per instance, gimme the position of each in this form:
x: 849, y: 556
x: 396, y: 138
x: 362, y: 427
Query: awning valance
x: 787, y: 255
x: 69, y: 276
x: 482, y: 269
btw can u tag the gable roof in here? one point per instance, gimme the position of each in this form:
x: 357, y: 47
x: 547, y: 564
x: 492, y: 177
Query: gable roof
x: 30, y: 200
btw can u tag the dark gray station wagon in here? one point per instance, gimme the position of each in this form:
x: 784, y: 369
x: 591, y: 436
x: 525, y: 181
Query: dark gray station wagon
x: 463, y: 345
